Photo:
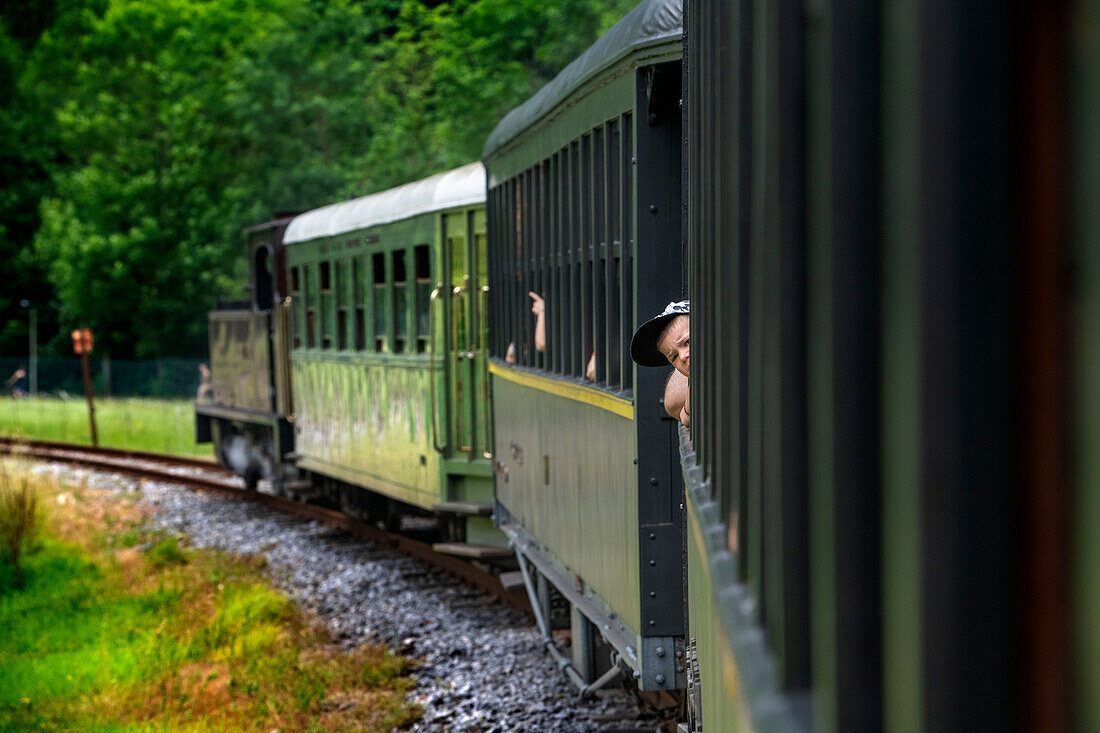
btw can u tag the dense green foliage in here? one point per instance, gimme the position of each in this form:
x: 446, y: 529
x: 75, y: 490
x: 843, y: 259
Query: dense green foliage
x: 139, y: 137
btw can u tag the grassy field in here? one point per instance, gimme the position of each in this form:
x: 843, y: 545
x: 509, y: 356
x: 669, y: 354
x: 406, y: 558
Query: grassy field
x: 114, y: 629
x: 160, y: 426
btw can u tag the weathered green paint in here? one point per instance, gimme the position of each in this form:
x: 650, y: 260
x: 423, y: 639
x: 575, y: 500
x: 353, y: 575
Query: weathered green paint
x: 239, y: 360
x: 586, y: 514
x: 366, y: 416
x: 367, y: 422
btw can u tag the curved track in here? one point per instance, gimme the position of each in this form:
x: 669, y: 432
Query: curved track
x: 206, y: 476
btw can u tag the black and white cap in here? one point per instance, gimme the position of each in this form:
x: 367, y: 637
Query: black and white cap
x: 643, y: 347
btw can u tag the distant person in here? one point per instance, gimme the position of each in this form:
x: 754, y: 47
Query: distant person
x: 206, y: 387
x: 17, y: 383
x: 664, y: 339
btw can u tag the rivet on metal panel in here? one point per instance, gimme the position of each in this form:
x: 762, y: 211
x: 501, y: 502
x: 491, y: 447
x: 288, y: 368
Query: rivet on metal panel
x: 652, y: 622
x: 611, y: 615
x: 660, y: 679
x: 653, y: 482
x: 653, y: 208
x: 635, y: 460
x: 653, y: 594
x: 652, y: 535
x: 653, y: 563
x: 659, y: 651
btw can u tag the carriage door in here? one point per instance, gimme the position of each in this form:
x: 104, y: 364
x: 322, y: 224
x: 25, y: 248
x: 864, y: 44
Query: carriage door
x: 464, y: 240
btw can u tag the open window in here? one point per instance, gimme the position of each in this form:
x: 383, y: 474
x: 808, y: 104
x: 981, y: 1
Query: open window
x: 328, y: 309
x: 359, y: 298
x: 296, y: 298
x: 379, y: 301
x: 400, y: 301
x: 422, y: 260
x: 563, y: 229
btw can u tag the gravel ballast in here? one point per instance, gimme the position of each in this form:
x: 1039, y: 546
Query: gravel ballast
x: 480, y: 667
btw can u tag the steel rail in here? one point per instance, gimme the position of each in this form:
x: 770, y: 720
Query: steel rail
x: 228, y: 484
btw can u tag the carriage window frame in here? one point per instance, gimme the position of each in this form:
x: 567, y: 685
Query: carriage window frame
x: 296, y: 325
x: 359, y: 298
x: 380, y: 301
x: 327, y: 304
x: 550, y: 235
x: 311, y: 298
x: 399, y: 291
x: 422, y: 286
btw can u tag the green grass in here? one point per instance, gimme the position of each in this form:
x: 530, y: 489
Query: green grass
x: 156, y: 425
x: 108, y: 635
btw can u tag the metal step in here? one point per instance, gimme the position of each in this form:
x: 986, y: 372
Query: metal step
x: 512, y: 579
x: 471, y: 508
x: 467, y: 549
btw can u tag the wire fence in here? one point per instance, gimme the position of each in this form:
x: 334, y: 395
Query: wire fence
x: 139, y: 405
x: 110, y: 378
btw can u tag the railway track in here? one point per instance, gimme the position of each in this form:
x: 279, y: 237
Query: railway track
x: 206, y: 476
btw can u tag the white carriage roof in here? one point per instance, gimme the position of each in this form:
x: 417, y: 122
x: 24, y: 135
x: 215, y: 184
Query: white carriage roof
x: 463, y: 186
x: 651, y: 23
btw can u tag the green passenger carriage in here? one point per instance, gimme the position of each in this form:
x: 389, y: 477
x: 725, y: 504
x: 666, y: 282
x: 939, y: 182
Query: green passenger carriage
x: 584, y: 211
x: 387, y: 357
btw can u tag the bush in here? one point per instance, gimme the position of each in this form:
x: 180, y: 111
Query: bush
x: 18, y: 520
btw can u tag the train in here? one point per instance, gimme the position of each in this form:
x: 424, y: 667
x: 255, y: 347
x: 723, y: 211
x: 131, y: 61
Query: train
x: 882, y: 515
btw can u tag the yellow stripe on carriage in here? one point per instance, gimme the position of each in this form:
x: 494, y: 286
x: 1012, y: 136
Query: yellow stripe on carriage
x: 577, y: 393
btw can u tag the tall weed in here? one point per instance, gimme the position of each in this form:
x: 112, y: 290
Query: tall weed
x: 18, y: 521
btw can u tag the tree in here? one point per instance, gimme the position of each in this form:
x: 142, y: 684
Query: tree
x: 168, y: 126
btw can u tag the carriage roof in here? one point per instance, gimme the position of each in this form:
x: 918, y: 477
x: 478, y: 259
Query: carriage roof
x: 463, y: 186
x: 652, y: 23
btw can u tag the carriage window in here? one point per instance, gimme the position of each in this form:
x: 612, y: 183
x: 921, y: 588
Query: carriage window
x: 563, y: 229
x: 344, y: 290
x: 423, y: 295
x: 381, y: 329
x: 400, y: 302
x: 295, y: 319
x: 328, y: 308
x: 311, y: 306
x: 359, y: 298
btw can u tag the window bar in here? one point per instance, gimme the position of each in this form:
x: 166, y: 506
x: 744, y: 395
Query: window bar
x: 584, y: 245
x: 553, y: 298
x: 565, y: 343
x: 599, y: 254
x: 576, y: 331
x: 540, y: 284
x: 626, y: 235
x: 613, y: 256
x: 576, y: 226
